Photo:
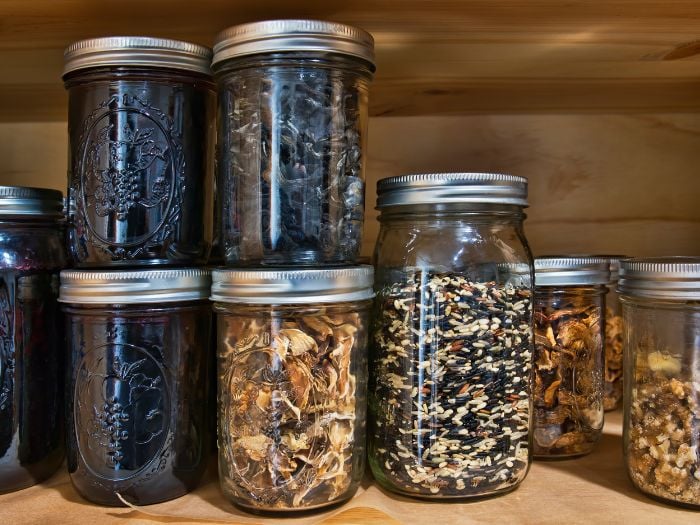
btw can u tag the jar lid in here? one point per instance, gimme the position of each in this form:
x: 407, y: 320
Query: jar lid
x: 291, y: 286
x: 137, y: 51
x: 293, y: 35
x: 21, y: 201
x: 562, y: 270
x: 661, y: 278
x: 443, y: 188
x: 134, y: 286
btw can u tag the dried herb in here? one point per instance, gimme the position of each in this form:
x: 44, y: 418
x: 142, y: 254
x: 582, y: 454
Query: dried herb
x: 449, y: 393
x: 613, y: 360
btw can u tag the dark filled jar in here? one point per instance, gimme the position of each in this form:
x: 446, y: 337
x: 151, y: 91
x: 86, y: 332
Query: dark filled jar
x: 137, y: 411
x: 31, y: 353
x: 141, y: 136
x: 449, y: 395
x: 291, y: 144
x: 292, y: 365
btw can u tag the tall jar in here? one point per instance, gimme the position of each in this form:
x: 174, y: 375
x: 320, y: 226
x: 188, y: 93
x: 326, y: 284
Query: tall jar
x: 31, y: 354
x: 613, y: 338
x: 141, y: 139
x: 661, y: 315
x: 569, y: 333
x: 137, y: 411
x: 291, y: 144
x: 292, y: 380
x: 449, y: 395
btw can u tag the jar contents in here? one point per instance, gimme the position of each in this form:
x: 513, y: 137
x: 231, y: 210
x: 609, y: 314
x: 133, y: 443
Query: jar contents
x: 613, y: 359
x: 449, y: 402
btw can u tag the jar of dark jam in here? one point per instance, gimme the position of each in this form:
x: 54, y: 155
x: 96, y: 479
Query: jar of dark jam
x: 31, y: 423
x: 137, y: 410
x: 141, y: 131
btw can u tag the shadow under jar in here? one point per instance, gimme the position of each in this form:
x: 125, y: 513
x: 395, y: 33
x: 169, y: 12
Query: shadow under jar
x: 137, y: 411
x: 661, y: 315
x: 292, y: 364
x: 291, y: 144
x: 449, y: 396
x: 141, y: 136
x: 31, y: 354
x: 568, y: 365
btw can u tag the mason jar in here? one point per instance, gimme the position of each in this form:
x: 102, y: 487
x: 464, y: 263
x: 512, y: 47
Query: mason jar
x: 140, y: 163
x: 613, y: 338
x: 31, y: 354
x: 568, y: 364
x: 292, y: 381
x: 139, y: 357
x: 661, y: 315
x: 449, y: 395
x: 291, y: 144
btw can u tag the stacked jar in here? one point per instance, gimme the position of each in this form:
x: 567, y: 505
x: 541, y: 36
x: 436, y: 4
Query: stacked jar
x: 293, y: 305
x: 141, y: 122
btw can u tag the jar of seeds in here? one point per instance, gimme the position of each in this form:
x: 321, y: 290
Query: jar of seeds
x: 661, y: 313
x: 449, y: 396
x: 292, y: 382
x: 569, y: 332
x: 292, y: 135
x: 613, y: 338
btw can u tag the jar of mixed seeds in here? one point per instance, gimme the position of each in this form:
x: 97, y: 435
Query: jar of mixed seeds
x: 449, y: 396
x: 661, y: 314
x: 31, y: 353
x: 613, y: 338
x: 291, y: 143
x: 139, y: 360
x: 568, y: 364
x: 141, y: 136
x: 292, y: 383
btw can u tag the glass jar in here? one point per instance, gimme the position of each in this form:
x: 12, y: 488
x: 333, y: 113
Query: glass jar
x: 137, y: 411
x: 291, y: 142
x: 569, y: 332
x: 661, y: 315
x: 31, y: 364
x: 449, y: 396
x: 613, y: 338
x: 292, y: 365
x: 141, y: 137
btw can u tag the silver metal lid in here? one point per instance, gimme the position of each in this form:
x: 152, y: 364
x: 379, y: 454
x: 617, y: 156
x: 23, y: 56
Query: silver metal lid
x: 661, y: 278
x: 293, y: 35
x: 571, y: 271
x: 137, y: 51
x: 21, y: 201
x: 291, y: 286
x: 134, y: 286
x: 443, y: 188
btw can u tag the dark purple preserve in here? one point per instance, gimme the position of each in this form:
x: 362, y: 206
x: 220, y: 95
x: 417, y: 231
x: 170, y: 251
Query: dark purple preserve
x: 31, y: 255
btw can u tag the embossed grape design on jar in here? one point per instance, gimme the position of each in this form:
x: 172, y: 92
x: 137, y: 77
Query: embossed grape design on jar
x: 141, y: 130
x: 137, y: 408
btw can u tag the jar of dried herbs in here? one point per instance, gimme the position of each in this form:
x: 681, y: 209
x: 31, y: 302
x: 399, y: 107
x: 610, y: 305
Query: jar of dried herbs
x: 661, y: 311
x: 613, y: 338
x: 291, y: 143
x: 449, y: 396
x: 292, y: 382
x: 568, y: 363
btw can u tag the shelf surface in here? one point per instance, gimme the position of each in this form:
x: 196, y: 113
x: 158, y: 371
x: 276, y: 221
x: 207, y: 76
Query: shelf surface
x: 592, y: 489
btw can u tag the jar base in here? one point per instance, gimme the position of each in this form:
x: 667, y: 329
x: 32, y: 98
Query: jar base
x: 297, y: 513
x: 446, y: 498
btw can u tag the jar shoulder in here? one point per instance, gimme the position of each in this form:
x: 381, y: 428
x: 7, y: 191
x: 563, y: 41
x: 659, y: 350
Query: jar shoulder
x: 31, y: 247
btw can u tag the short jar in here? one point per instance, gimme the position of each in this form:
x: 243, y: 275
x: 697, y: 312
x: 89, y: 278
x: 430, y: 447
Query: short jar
x: 661, y: 315
x: 141, y: 142
x: 31, y: 354
x: 139, y: 361
x: 613, y: 338
x: 568, y: 363
x: 292, y: 140
x: 449, y: 396
x: 292, y: 383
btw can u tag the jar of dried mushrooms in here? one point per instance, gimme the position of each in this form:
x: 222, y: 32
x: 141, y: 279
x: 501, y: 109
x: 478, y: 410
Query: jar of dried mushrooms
x: 569, y: 332
x: 613, y: 338
x: 661, y: 311
x: 292, y: 382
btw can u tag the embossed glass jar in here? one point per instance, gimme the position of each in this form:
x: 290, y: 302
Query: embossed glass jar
x: 137, y: 410
x: 31, y: 354
x: 292, y: 383
x: 141, y: 133
x: 661, y: 314
x: 291, y: 144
